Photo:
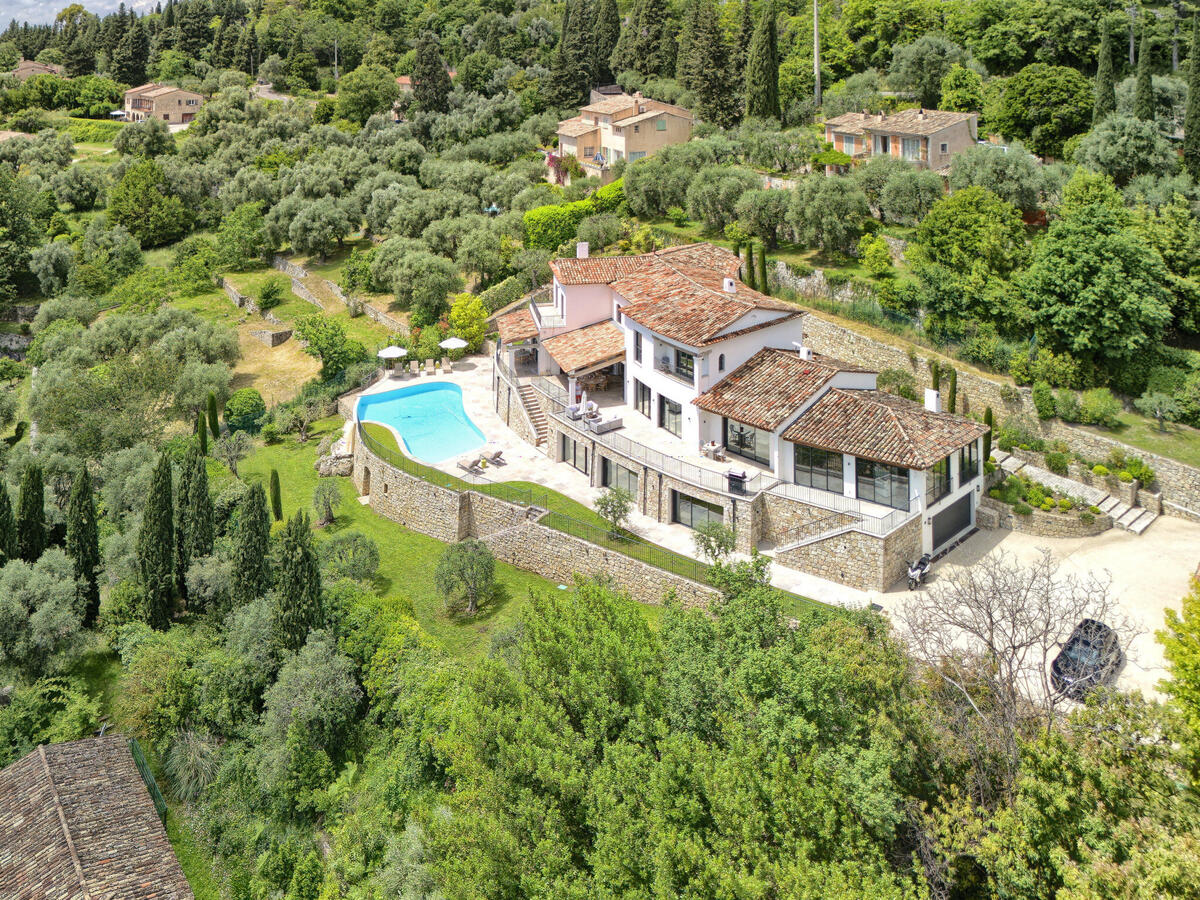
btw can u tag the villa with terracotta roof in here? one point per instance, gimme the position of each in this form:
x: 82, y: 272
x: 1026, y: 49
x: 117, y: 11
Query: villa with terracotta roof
x: 161, y: 101
x: 27, y: 68
x: 665, y: 374
x: 927, y: 138
x: 619, y: 126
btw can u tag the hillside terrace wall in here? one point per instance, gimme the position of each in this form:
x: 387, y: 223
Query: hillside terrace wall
x: 1047, y: 524
x: 859, y: 560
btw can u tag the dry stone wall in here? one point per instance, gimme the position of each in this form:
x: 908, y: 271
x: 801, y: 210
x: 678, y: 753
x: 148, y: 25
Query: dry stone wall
x: 859, y: 560
x: 1045, y: 524
x: 287, y: 267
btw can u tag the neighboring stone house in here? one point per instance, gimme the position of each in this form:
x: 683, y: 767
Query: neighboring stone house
x: 613, y: 127
x: 172, y: 105
x: 709, y: 384
x: 27, y: 68
x: 77, y: 823
x: 925, y: 137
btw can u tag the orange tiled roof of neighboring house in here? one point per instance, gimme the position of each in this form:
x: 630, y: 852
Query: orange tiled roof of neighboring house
x: 517, y: 326
x: 918, y: 121
x: 770, y: 386
x: 575, y: 127
x: 595, y: 269
x: 848, y: 123
x: 882, y: 427
x: 588, y: 347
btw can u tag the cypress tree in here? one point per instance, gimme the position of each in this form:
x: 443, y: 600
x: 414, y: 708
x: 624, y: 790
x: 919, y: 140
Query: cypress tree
x: 568, y: 71
x: 952, y: 391
x: 182, y: 506
x: 200, y: 511
x: 606, y: 32
x: 202, y: 433
x: 1191, y: 119
x: 8, y: 527
x: 31, y: 515
x: 650, y: 53
x: 83, y: 545
x: 742, y: 44
x: 716, y: 101
x: 935, y: 374
x: 298, y: 598
x: 987, y: 438
x: 1106, y: 94
x: 276, y: 496
x: 762, y: 69
x: 156, y: 547
x: 430, y: 80
x: 763, y: 284
x: 685, y: 45
x: 214, y: 424
x: 624, y: 57
x: 750, y: 275
x: 1143, y: 95
x: 251, y: 542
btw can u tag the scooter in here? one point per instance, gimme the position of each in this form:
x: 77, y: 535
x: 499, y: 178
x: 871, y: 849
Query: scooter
x: 917, y: 572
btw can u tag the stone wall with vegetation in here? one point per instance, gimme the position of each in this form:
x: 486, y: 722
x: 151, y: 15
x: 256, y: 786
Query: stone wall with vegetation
x: 1047, y: 524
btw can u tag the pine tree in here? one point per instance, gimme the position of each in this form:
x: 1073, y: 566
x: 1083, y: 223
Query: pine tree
x: 251, y: 542
x: 430, y: 80
x: 1106, y: 95
x: 606, y: 32
x: 182, y: 507
x: 156, y: 547
x: 31, y: 515
x: 202, y: 433
x: 762, y: 69
x: 200, y: 511
x: 298, y: 598
x: 245, y: 52
x: 276, y: 497
x: 716, y: 101
x: 1143, y: 95
x: 83, y: 545
x: 8, y: 527
x: 763, y: 285
x: 1191, y: 119
x: 750, y: 274
x: 214, y: 424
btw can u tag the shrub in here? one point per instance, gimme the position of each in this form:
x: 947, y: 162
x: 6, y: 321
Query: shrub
x: 1100, y: 471
x: 552, y: 226
x: 243, y: 410
x: 1065, y: 503
x: 1087, y: 518
x: 898, y: 382
x: 270, y: 294
x: 1139, y: 470
x: 1047, y: 505
x: 1009, y: 394
x: 1022, y: 509
x: 504, y: 293
x: 1057, y: 462
x: 1043, y: 400
x: 678, y: 216
x: 1098, y: 406
x: 1124, y: 476
x: 1094, y: 510
x: 349, y: 555
x: 1066, y: 405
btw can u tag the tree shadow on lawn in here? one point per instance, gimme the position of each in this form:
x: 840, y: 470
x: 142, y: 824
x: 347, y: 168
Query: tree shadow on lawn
x: 495, y: 602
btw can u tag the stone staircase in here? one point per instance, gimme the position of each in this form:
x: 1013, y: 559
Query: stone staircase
x: 1133, y: 519
x: 536, y: 414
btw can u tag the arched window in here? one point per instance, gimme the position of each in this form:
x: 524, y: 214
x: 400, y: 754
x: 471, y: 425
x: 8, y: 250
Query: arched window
x: 721, y: 363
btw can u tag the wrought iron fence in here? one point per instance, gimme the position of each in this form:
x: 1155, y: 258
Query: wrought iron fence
x: 139, y: 760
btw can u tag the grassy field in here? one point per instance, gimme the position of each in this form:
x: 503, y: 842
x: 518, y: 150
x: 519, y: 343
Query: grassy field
x: 197, y: 864
x: 1177, y: 442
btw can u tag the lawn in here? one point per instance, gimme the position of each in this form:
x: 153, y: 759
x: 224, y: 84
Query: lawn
x: 1179, y: 442
x: 197, y: 865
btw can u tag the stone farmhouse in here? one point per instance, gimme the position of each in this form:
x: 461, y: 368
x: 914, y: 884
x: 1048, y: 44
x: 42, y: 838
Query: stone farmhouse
x: 927, y: 138
x: 665, y: 374
x: 27, y: 68
x: 172, y: 105
x: 77, y: 822
x: 619, y: 126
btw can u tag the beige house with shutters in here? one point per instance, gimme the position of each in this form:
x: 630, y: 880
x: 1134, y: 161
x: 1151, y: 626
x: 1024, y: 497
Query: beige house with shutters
x: 620, y: 126
x: 161, y: 101
x: 928, y: 138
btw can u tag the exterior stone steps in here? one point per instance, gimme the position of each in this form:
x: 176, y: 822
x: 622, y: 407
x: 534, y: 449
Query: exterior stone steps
x: 534, y: 410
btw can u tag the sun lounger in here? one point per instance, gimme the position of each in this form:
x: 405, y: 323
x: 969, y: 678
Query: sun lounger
x: 429, y: 367
x: 495, y: 458
x: 414, y: 367
x: 446, y: 367
x: 471, y: 464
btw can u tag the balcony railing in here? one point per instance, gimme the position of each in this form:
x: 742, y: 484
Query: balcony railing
x: 686, y: 374
x: 869, y: 521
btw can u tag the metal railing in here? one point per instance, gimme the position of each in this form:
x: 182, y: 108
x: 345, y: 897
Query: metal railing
x: 815, y: 528
x: 684, y: 374
x: 869, y: 522
x: 139, y: 760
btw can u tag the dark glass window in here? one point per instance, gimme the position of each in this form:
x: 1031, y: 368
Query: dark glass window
x: 575, y: 454
x: 692, y: 512
x: 721, y: 363
x: 641, y: 396
x: 818, y: 469
x: 748, y: 442
x: 880, y: 483
x: 937, y: 481
x: 685, y: 365
x: 614, y: 474
x: 637, y: 347
x: 968, y: 463
x: 670, y: 415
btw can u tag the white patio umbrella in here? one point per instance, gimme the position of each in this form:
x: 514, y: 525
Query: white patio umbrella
x: 392, y: 353
x: 453, y: 343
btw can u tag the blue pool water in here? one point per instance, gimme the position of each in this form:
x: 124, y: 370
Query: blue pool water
x: 429, y: 418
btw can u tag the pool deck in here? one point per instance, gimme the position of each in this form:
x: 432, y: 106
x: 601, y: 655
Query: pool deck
x: 526, y: 463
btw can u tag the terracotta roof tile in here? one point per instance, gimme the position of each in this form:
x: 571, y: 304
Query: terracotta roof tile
x: 882, y: 427
x: 586, y: 348
x: 848, y: 123
x: 595, y: 269
x: 609, y: 106
x: 76, y: 820
x: 517, y: 326
x: 769, y: 387
x: 918, y: 121
x: 575, y: 127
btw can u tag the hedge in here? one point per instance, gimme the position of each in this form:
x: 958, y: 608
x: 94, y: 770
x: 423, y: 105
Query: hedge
x: 93, y: 131
x: 552, y: 226
x: 505, y: 292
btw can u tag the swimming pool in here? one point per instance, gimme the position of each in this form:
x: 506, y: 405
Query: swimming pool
x: 429, y: 418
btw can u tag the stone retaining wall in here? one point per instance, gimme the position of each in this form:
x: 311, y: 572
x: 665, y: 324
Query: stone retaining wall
x: 272, y: 338
x: 300, y: 289
x: 14, y: 345
x: 288, y: 267
x: 242, y: 301
x: 1044, y: 524
x: 508, y: 406
x: 859, y: 560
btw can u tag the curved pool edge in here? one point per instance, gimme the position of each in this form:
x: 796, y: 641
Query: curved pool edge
x: 401, y: 442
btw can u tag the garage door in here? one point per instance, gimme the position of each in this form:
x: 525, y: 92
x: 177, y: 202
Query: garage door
x: 951, y: 520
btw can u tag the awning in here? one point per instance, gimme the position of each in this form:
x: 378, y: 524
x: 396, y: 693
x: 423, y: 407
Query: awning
x: 585, y: 349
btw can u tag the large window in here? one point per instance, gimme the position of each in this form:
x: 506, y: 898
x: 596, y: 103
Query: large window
x: 882, y: 484
x: 748, y: 442
x: 575, y: 454
x: 670, y: 415
x: 637, y: 347
x: 818, y: 469
x: 968, y: 463
x: 685, y: 365
x: 616, y: 475
x: 937, y: 481
x: 910, y: 148
x: 692, y: 512
x: 641, y: 398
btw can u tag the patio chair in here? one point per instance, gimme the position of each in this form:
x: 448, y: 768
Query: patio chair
x: 414, y: 367
x: 429, y: 367
x: 495, y: 458
x: 470, y: 464
x: 446, y: 367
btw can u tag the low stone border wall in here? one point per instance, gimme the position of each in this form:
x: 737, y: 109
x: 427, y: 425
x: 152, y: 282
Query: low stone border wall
x: 241, y: 301
x: 300, y: 289
x: 1044, y: 524
x: 272, y: 338
x: 287, y: 267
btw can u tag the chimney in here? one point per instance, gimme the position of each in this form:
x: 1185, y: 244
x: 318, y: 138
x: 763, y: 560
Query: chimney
x: 921, y: 114
x: 802, y: 351
x: 933, y: 400
x: 730, y: 286
x: 581, y: 250
x: 879, y: 115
